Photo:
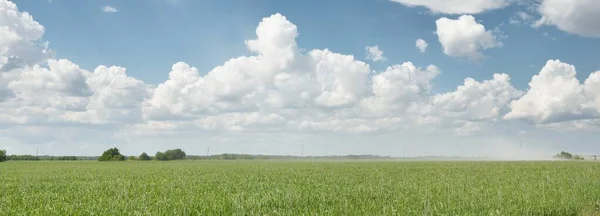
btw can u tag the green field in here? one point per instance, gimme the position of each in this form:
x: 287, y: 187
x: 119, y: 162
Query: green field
x: 299, y: 188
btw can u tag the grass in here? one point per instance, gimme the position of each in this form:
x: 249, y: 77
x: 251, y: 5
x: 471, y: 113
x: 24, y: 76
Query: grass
x: 299, y: 188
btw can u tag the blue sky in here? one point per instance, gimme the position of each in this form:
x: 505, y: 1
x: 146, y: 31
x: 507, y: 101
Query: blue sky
x: 240, y: 106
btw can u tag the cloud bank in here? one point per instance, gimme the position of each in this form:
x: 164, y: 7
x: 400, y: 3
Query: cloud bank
x: 279, y: 90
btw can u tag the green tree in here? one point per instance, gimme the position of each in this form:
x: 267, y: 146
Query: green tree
x: 161, y: 156
x: 111, y: 154
x: 144, y: 157
x: 2, y: 155
x: 171, y: 154
x: 175, y: 154
x: 132, y: 158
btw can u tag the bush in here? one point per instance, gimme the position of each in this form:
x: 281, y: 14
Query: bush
x: 132, y: 158
x: 144, y: 157
x: 112, y: 154
x: 2, y: 155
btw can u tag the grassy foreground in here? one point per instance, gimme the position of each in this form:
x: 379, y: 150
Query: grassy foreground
x: 299, y: 188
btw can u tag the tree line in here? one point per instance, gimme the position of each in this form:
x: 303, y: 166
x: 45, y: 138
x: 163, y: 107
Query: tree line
x: 5, y: 157
x: 113, y: 154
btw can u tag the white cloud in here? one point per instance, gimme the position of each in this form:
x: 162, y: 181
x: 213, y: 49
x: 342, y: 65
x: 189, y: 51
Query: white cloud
x: 478, y: 101
x: 20, y: 44
x: 578, y: 17
x: 555, y: 95
x: 421, y: 45
x: 109, y: 9
x: 67, y: 94
x: 456, y: 6
x: 374, y: 53
x: 316, y: 91
x: 464, y: 37
x: 400, y: 85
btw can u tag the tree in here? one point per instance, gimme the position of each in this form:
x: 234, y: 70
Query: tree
x: 161, y: 156
x: 144, y: 157
x: 111, y: 154
x: 171, y: 154
x: 131, y: 158
x: 564, y: 155
x: 2, y: 155
x: 175, y: 154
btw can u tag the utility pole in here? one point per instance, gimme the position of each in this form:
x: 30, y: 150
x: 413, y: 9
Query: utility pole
x: 302, y: 151
x: 207, y: 150
x: 404, y: 150
x: 36, y: 151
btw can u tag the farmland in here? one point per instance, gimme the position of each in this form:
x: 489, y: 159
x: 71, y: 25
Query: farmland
x: 299, y: 188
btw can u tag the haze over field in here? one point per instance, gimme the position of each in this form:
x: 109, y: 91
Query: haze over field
x: 504, y: 79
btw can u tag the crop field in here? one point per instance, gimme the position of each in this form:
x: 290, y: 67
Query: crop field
x: 299, y: 188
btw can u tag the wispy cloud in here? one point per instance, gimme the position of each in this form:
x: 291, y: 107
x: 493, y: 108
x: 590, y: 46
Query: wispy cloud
x: 109, y: 9
x: 374, y: 53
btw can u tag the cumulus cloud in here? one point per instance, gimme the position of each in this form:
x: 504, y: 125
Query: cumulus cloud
x: 478, y: 101
x: 278, y: 79
x: 109, y: 9
x: 64, y: 93
x: 421, y: 45
x: 20, y: 44
x: 456, y: 6
x: 374, y: 53
x: 578, y: 17
x: 556, y: 95
x: 464, y: 37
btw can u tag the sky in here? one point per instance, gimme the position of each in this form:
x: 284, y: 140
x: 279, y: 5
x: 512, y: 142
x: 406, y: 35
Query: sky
x: 487, y: 78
